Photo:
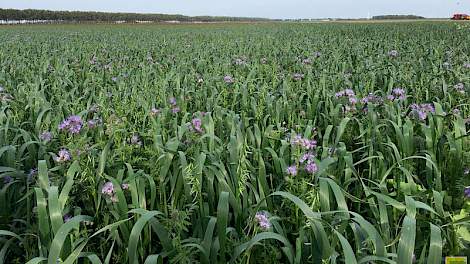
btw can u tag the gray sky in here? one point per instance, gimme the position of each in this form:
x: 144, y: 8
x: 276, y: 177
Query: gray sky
x: 257, y: 8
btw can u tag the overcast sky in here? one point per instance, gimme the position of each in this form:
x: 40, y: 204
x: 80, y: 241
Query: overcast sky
x: 257, y: 8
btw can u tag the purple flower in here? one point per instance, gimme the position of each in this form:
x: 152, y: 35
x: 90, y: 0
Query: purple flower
x: 422, y: 110
x: 196, y: 125
x: 456, y: 111
x: 114, y: 79
x: 63, y: 156
x: 108, y: 189
x: 125, y: 186
x: 460, y: 88
x: 307, y: 157
x: 307, y: 61
x: 371, y: 98
x: 263, y: 60
x: 466, y: 65
x: 298, y: 76
x: 172, y: 101
x: 393, y: 53
x: 92, y: 123
x: 352, y: 100
x: 154, y: 111
x: 175, y: 110
x: 73, y: 124
x: 317, y: 54
x: 239, y: 62
x: 135, y: 140
x: 339, y: 94
x: 45, y: 136
x: 466, y: 171
x: 67, y: 218
x: 228, y: 79
x: 292, y: 170
x: 467, y: 192
x: 33, y: 172
x: 263, y: 221
x: 7, y: 179
x: 311, y: 167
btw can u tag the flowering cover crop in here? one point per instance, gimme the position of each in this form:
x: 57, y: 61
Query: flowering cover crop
x: 253, y: 143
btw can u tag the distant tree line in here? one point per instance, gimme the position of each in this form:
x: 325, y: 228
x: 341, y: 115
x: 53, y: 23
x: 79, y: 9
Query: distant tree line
x: 385, y: 17
x: 78, y: 16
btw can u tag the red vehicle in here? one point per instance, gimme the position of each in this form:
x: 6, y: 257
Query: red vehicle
x: 461, y: 17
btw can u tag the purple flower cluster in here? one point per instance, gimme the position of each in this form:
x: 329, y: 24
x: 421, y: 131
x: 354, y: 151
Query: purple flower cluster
x: 45, y: 136
x: 228, y: 79
x: 73, y: 124
x: 460, y: 88
x: 351, y: 97
x: 108, y: 190
x: 422, y: 110
x: 297, y: 76
x: 393, y: 53
x: 397, y: 94
x: 263, y: 60
x: 263, y: 221
x: 466, y: 65
x: 292, y: 170
x: 317, y: 54
x: 304, y: 143
x: 372, y: 98
x: 63, y: 156
x: 467, y: 192
x: 196, y: 124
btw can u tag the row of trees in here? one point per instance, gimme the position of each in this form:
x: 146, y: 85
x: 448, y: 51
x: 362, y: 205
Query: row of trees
x: 76, y: 16
x: 385, y: 17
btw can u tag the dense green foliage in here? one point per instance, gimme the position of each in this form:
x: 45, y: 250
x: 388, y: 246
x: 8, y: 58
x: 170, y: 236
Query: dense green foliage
x: 147, y: 183
x: 74, y: 16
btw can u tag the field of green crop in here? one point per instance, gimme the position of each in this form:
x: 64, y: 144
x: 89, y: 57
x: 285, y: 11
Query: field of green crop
x: 242, y: 143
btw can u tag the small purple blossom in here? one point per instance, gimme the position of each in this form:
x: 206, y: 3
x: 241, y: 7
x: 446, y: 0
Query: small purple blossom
x: 263, y: 60
x: 228, y: 79
x: 393, y: 53
x: 292, y: 170
x: 311, y: 167
x: 466, y: 171
x: 7, y: 179
x: 307, y: 157
x: 317, y: 54
x: 114, y: 79
x: 135, y: 140
x: 456, y: 111
x: 67, y: 218
x: 45, y: 136
x: 108, y: 189
x: 422, y: 110
x: 460, y: 88
x: 196, y: 125
x: 92, y: 123
x: 154, y: 111
x: 467, y: 192
x: 263, y: 221
x: 175, y: 110
x: 63, y: 156
x: 297, y: 76
x: 466, y: 65
x: 307, y: 61
x: 172, y: 101
x: 125, y: 186
x: 33, y: 172
x: 73, y: 124
x: 371, y: 98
